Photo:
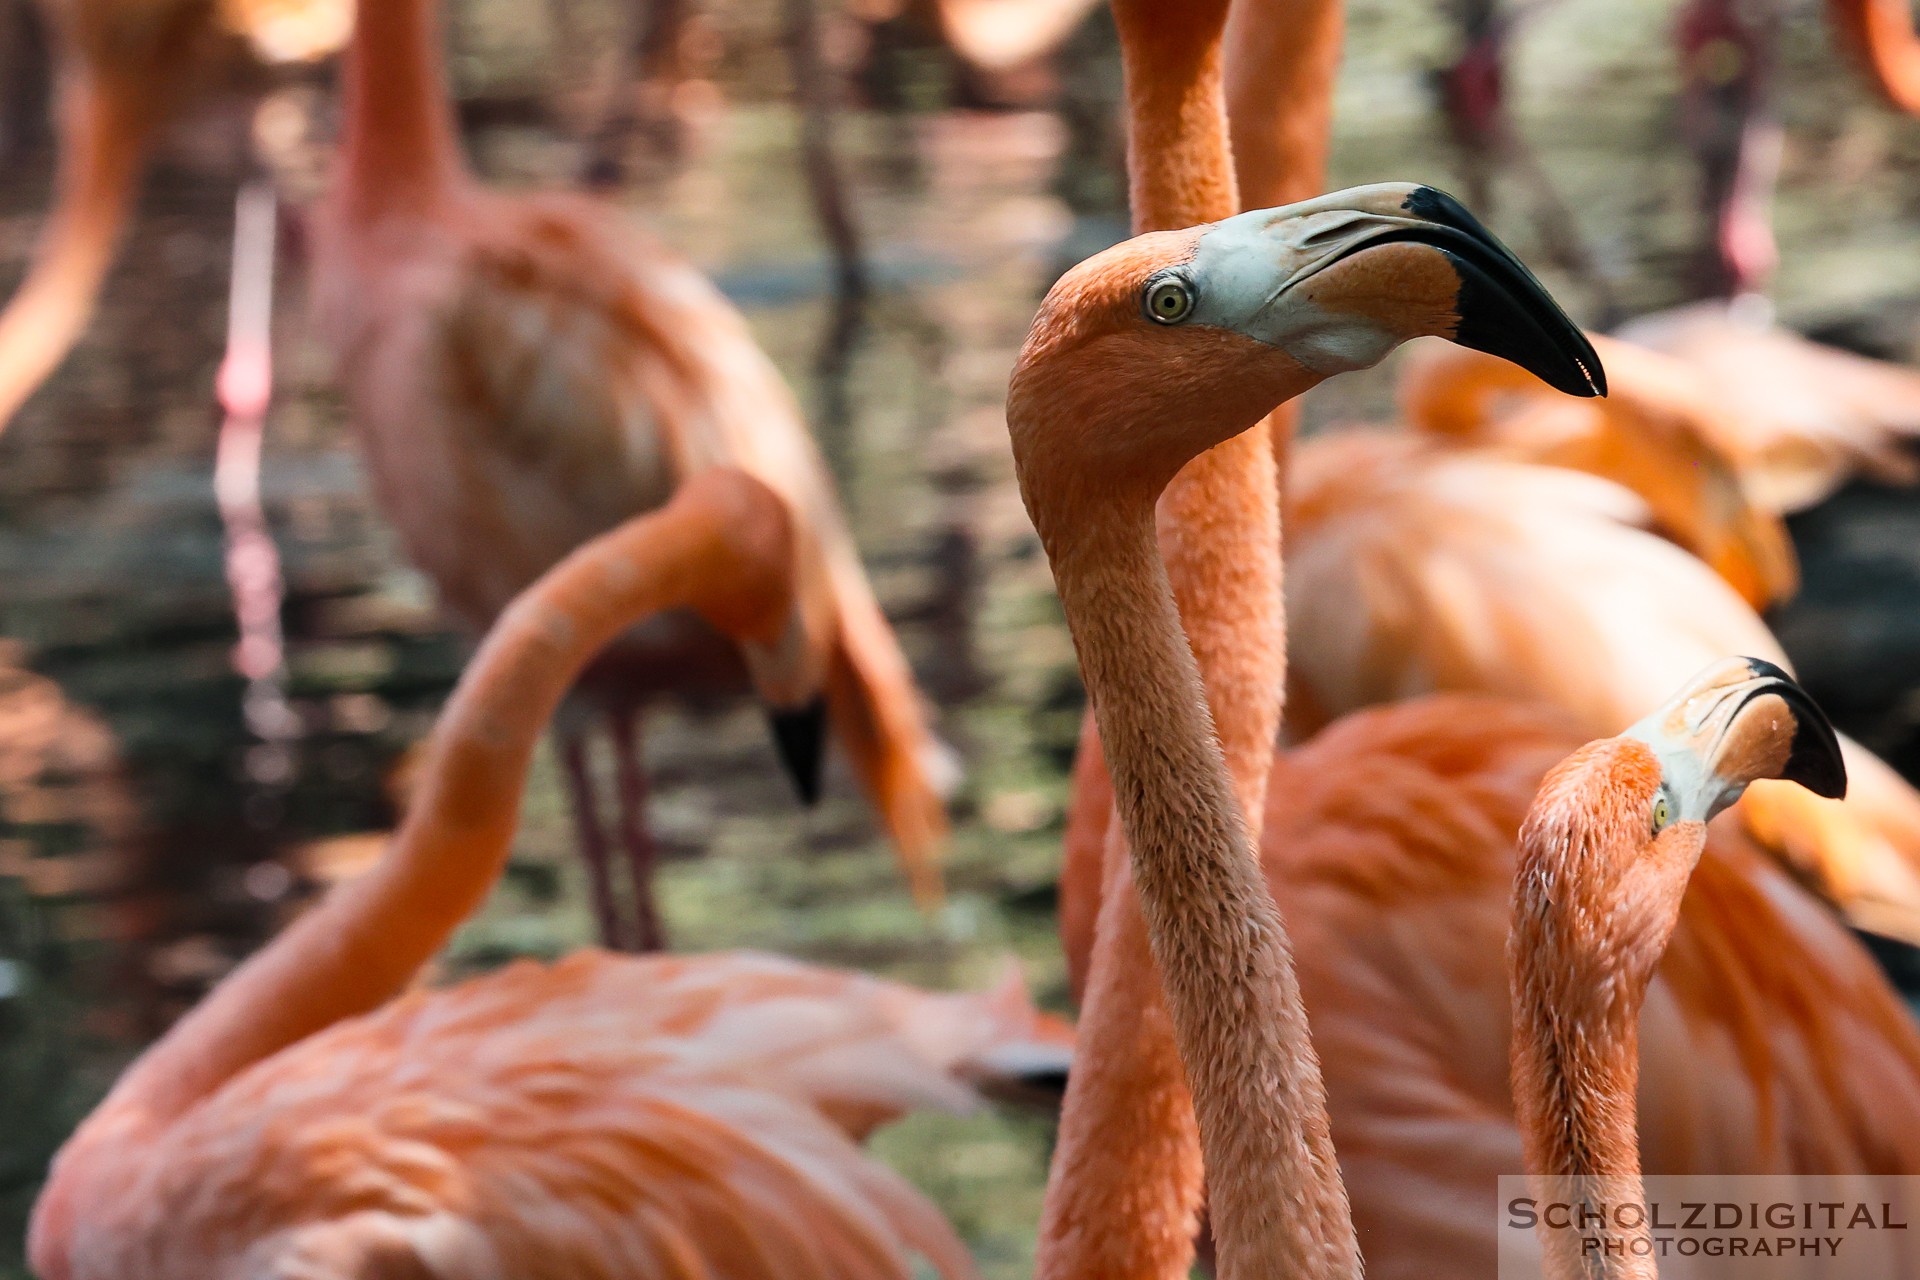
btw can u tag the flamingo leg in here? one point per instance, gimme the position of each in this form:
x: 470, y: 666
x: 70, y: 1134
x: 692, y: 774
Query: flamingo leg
x: 635, y: 838
x: 591, y: 837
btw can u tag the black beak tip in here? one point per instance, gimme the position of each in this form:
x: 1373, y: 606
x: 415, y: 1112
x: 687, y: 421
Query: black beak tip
x: 1814, y: 759
x: 1503, y: 310
x: 800, y: 737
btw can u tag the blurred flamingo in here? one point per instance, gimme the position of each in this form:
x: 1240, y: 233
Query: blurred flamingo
x: 605, y: 1115
x: 126, y: 68
x: 525, y: 372
x: 1881, y: 33
x: 1771, y: 1043
x: 1720, y: 420
x: 1416, y: 567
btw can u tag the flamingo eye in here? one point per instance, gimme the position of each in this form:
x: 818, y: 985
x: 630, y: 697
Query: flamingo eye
x: 1168, y: 299
x: 1662, y: 813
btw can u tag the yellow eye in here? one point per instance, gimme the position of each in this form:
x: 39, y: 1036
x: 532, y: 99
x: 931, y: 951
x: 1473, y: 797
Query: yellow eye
x: 1169, y: 300
x: 1662, y: 813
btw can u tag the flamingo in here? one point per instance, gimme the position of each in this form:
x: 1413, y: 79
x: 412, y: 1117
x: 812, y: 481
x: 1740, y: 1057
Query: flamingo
x: 1105, y: 408
x: 606, y: 1115
x: 524, y: 373
x: 126, y: 67
x: 1605, y: 855
x: 1881, y: 33
x: 1771, y: 422
x: 1416, y: 567
x: 1123, y: 1197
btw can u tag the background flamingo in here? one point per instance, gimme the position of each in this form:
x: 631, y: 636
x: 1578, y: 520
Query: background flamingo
x: 621, y: 1116
x: 125, y: 70
x: 1416, y: 567
x: 526, y: 372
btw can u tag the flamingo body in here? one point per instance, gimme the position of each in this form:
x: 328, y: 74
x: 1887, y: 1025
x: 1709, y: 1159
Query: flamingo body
x: 605, y: 1116
x: 1415, y: 568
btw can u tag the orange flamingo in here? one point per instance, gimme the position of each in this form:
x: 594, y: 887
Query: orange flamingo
x: 1881, y: 33
x: 1105, y: 408
x: 526, y: 372
x: 606, y: 1115
x: 1415, y: 567
x: 1124, y: 1196
x: 1769, y: 423
x: 1772, y: 1042
x: 125, y: 69
x: 1605, y: 857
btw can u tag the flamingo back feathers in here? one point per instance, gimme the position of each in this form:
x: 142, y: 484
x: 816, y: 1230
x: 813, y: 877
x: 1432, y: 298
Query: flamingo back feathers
x: 1413, y: 568
x: 602, y: 1116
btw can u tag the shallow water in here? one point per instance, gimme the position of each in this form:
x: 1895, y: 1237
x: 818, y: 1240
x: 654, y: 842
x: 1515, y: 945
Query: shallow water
x: 144, y: 848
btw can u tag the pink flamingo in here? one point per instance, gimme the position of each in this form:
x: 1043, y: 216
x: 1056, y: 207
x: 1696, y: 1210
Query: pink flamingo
x: 607, y: 1115
x: 526, y: 372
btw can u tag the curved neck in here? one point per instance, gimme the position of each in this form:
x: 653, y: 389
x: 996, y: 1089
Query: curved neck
x: 401, y: 151
x: 1576, y: 1053
x: 1278, y: 1205
x: 363, y: 944
x: 103, y: 138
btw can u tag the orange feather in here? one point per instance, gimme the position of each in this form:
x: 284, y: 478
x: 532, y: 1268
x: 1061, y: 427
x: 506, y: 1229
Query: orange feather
x: 1413, y: 567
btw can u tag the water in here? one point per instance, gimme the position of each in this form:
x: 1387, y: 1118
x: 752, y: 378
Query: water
x: 140, y: 853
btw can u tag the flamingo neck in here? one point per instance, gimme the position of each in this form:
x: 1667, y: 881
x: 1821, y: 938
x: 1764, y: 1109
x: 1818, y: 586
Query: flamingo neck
x: 401, y: 151
x: 1576, y: 1046
x: 1278, y: 1204
x: 1282, y: 62
x: 1127, y: 1181
x: 103, y: 139
x: 364, y: 943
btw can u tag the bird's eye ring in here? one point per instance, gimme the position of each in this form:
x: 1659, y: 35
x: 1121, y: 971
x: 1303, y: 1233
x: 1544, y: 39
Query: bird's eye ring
x: 1168, y: 300
x: 1662, y: 813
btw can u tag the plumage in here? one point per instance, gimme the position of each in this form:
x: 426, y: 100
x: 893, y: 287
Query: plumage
x: 525, y: 372
x: 1809, y: 416
x: 1696, y: 392
x: 1414, y: 567
x: 604, y: 1116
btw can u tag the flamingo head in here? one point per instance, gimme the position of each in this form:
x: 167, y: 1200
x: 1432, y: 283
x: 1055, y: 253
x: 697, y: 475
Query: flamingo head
x: 1618, y: 827
x: 1148, y: 354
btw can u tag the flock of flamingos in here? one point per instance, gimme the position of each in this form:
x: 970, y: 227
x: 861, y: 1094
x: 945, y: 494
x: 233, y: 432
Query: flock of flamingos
x: 1328, y: 994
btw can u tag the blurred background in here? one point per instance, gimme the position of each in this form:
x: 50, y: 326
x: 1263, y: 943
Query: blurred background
x: 148, y: 840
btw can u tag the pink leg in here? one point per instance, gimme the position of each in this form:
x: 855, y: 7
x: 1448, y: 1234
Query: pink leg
x: 634, y: 836
x: 592, y: 839
x: 245, y: 388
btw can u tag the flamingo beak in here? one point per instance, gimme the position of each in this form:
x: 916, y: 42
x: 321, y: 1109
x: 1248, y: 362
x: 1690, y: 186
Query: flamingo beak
x: 800, y: 737
x: 1256, y: 273
x: 1737, y: 722
x: 1503, y: 309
